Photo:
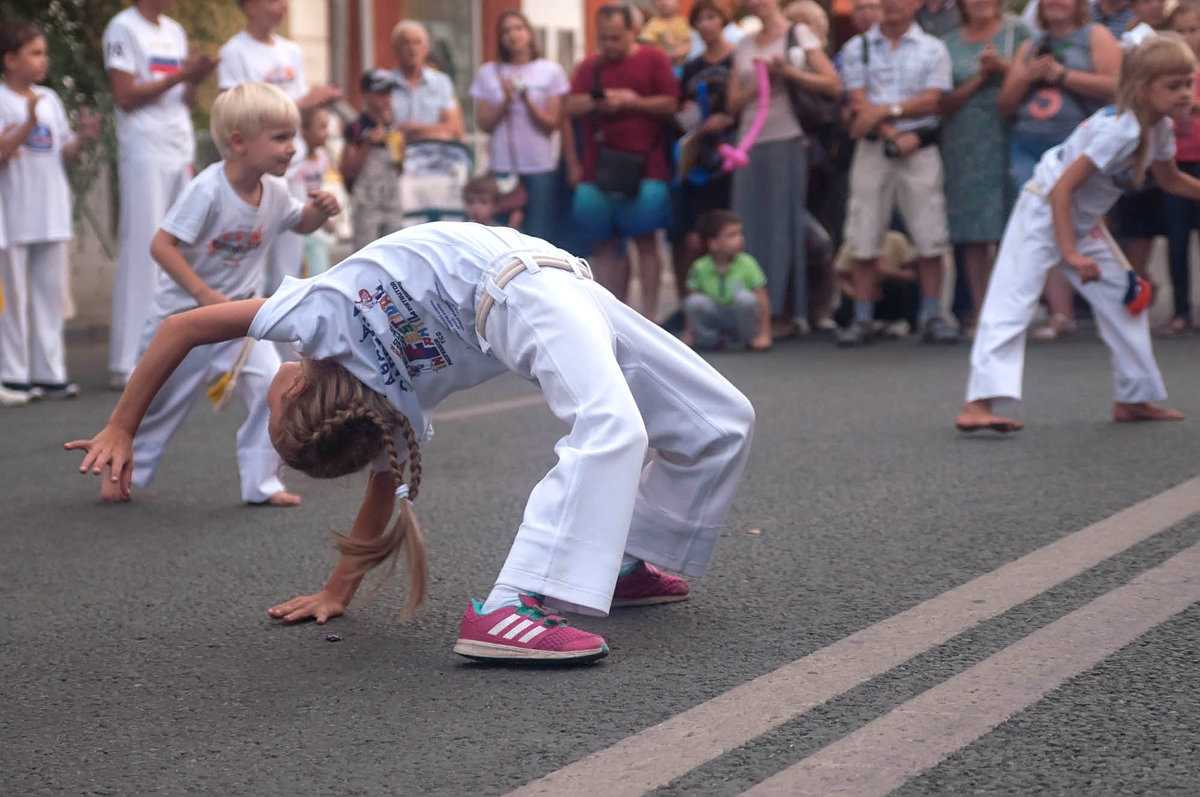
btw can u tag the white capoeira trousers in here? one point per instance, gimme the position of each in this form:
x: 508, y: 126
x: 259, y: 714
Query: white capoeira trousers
x: 1026, y: 254
x: 623, y: 385
x: 31, y: 324
x: 258, y: 464
x: 149, y: 187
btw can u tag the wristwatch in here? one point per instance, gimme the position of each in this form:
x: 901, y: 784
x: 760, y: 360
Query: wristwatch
x: 895, y: 111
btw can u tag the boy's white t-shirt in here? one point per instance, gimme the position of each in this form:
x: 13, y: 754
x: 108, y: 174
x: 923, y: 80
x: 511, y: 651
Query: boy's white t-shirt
x: 161, y: 128
x: 400, y: 313
x: 34, y: 180
x: 244, y: 59
x: 1108, y: 140
x: 223, y: 238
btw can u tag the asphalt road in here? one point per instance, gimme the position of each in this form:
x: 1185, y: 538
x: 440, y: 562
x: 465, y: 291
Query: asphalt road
x: 138, y: 657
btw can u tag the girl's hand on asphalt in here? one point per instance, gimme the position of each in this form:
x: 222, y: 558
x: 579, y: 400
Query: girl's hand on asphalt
x: 320, y: 607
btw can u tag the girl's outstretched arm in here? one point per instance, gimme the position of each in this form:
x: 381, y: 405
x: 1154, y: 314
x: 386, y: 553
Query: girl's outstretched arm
x: 372, y: 520
x: 1064, y: 228
x: 178, y: 334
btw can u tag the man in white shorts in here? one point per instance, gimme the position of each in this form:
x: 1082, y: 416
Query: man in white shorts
x: 896, y: 74
x: 153, y: 81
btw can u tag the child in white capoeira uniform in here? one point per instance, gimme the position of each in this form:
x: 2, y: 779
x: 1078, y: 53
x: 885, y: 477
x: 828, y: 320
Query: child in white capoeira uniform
x: 256, y: 54
x: 153, y: 81
x: 1055, y: 225
x: 36, y: 135
x: 211, y: 247
x: 436, y: 308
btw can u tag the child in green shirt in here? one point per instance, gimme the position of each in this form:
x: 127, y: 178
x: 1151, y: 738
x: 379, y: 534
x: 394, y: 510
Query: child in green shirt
x: 727, y: 295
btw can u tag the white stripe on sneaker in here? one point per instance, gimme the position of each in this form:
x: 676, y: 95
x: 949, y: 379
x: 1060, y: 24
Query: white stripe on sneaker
x: 531, y: 634
x: 518, y: 628
x: 505, y: 623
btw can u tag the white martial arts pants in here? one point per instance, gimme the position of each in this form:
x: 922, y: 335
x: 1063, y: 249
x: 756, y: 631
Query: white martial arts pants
x: 1026, y: 254
x: 622, y: 384
x: 31, y: 324
x: 148, y: 189
x: 258, y: 464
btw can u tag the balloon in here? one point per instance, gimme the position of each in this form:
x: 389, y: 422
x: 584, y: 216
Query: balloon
x: 739, y: 156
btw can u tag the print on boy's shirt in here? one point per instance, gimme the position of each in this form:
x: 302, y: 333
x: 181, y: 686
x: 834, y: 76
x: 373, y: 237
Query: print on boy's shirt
x: 280, y: 75
x: 40, y: 139
x: 163, y: 65
x: 232, y: 247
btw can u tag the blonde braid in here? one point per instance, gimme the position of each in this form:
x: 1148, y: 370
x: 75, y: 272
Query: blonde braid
x: 324, y: 442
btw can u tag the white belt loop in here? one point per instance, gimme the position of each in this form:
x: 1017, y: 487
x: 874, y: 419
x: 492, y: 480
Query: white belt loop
x: 528, y: 261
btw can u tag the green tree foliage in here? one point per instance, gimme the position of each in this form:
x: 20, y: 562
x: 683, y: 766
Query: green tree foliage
x: 73, y: 31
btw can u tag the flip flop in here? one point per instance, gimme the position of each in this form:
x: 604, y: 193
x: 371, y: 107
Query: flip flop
x: 1003, y: 427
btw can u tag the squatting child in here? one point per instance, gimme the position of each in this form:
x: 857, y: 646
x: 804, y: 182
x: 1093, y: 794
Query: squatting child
x: 212, y: 246
x: 436, y: 308
x: 727, y: 298
x: 1056, y: 224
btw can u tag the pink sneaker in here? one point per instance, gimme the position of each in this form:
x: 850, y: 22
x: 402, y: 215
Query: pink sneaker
x: 526, y: 633
x: 646, y: 585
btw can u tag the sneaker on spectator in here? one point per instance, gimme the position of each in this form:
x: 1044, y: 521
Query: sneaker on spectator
x: 855, y: 334
x: 646, y: 585
x: 801, y: 327
x: 825, y: 325
x: 936, y: 330
x: 117, y: 380
x: 58, y: 392
x: 524, y: 633
x: 13, y: 398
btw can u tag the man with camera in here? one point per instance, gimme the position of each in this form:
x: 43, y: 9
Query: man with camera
x: 623, y: 97
x: 895, y: 74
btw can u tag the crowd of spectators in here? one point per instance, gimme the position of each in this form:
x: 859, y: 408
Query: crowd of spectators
x: 896, y: 126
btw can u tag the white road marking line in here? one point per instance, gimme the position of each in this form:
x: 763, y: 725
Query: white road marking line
x: 918, y: 735
x: 656, y: 756
x: 490, y: 408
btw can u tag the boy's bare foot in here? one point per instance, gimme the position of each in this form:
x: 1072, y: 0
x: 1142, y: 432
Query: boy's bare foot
x: 283, y: 498
x: 1144, y: 411
x: 978, y: 415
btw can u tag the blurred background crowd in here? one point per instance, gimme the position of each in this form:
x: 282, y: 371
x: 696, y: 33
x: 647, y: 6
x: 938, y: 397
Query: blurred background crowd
x: 881, y: 142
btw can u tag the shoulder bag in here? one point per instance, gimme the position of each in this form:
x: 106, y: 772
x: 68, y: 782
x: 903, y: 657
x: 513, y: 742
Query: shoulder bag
x: 618, y: 173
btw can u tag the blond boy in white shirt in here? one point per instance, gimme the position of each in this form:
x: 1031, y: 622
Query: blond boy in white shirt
x: 211, y: 247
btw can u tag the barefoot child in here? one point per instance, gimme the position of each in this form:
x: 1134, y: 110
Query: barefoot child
x: 35, y: 133
x: 437, y: 308
x: 727, y: 295
x: 211, y: 248
x: 1054, y: 225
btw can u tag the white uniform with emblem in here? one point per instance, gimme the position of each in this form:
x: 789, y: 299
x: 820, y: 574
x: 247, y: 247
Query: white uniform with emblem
x: 37, y: 223
x: 156, y: 147
x: 244, y: 59
x: 400, y: 314
x: 1029, y: 250
x: 225, y: 241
